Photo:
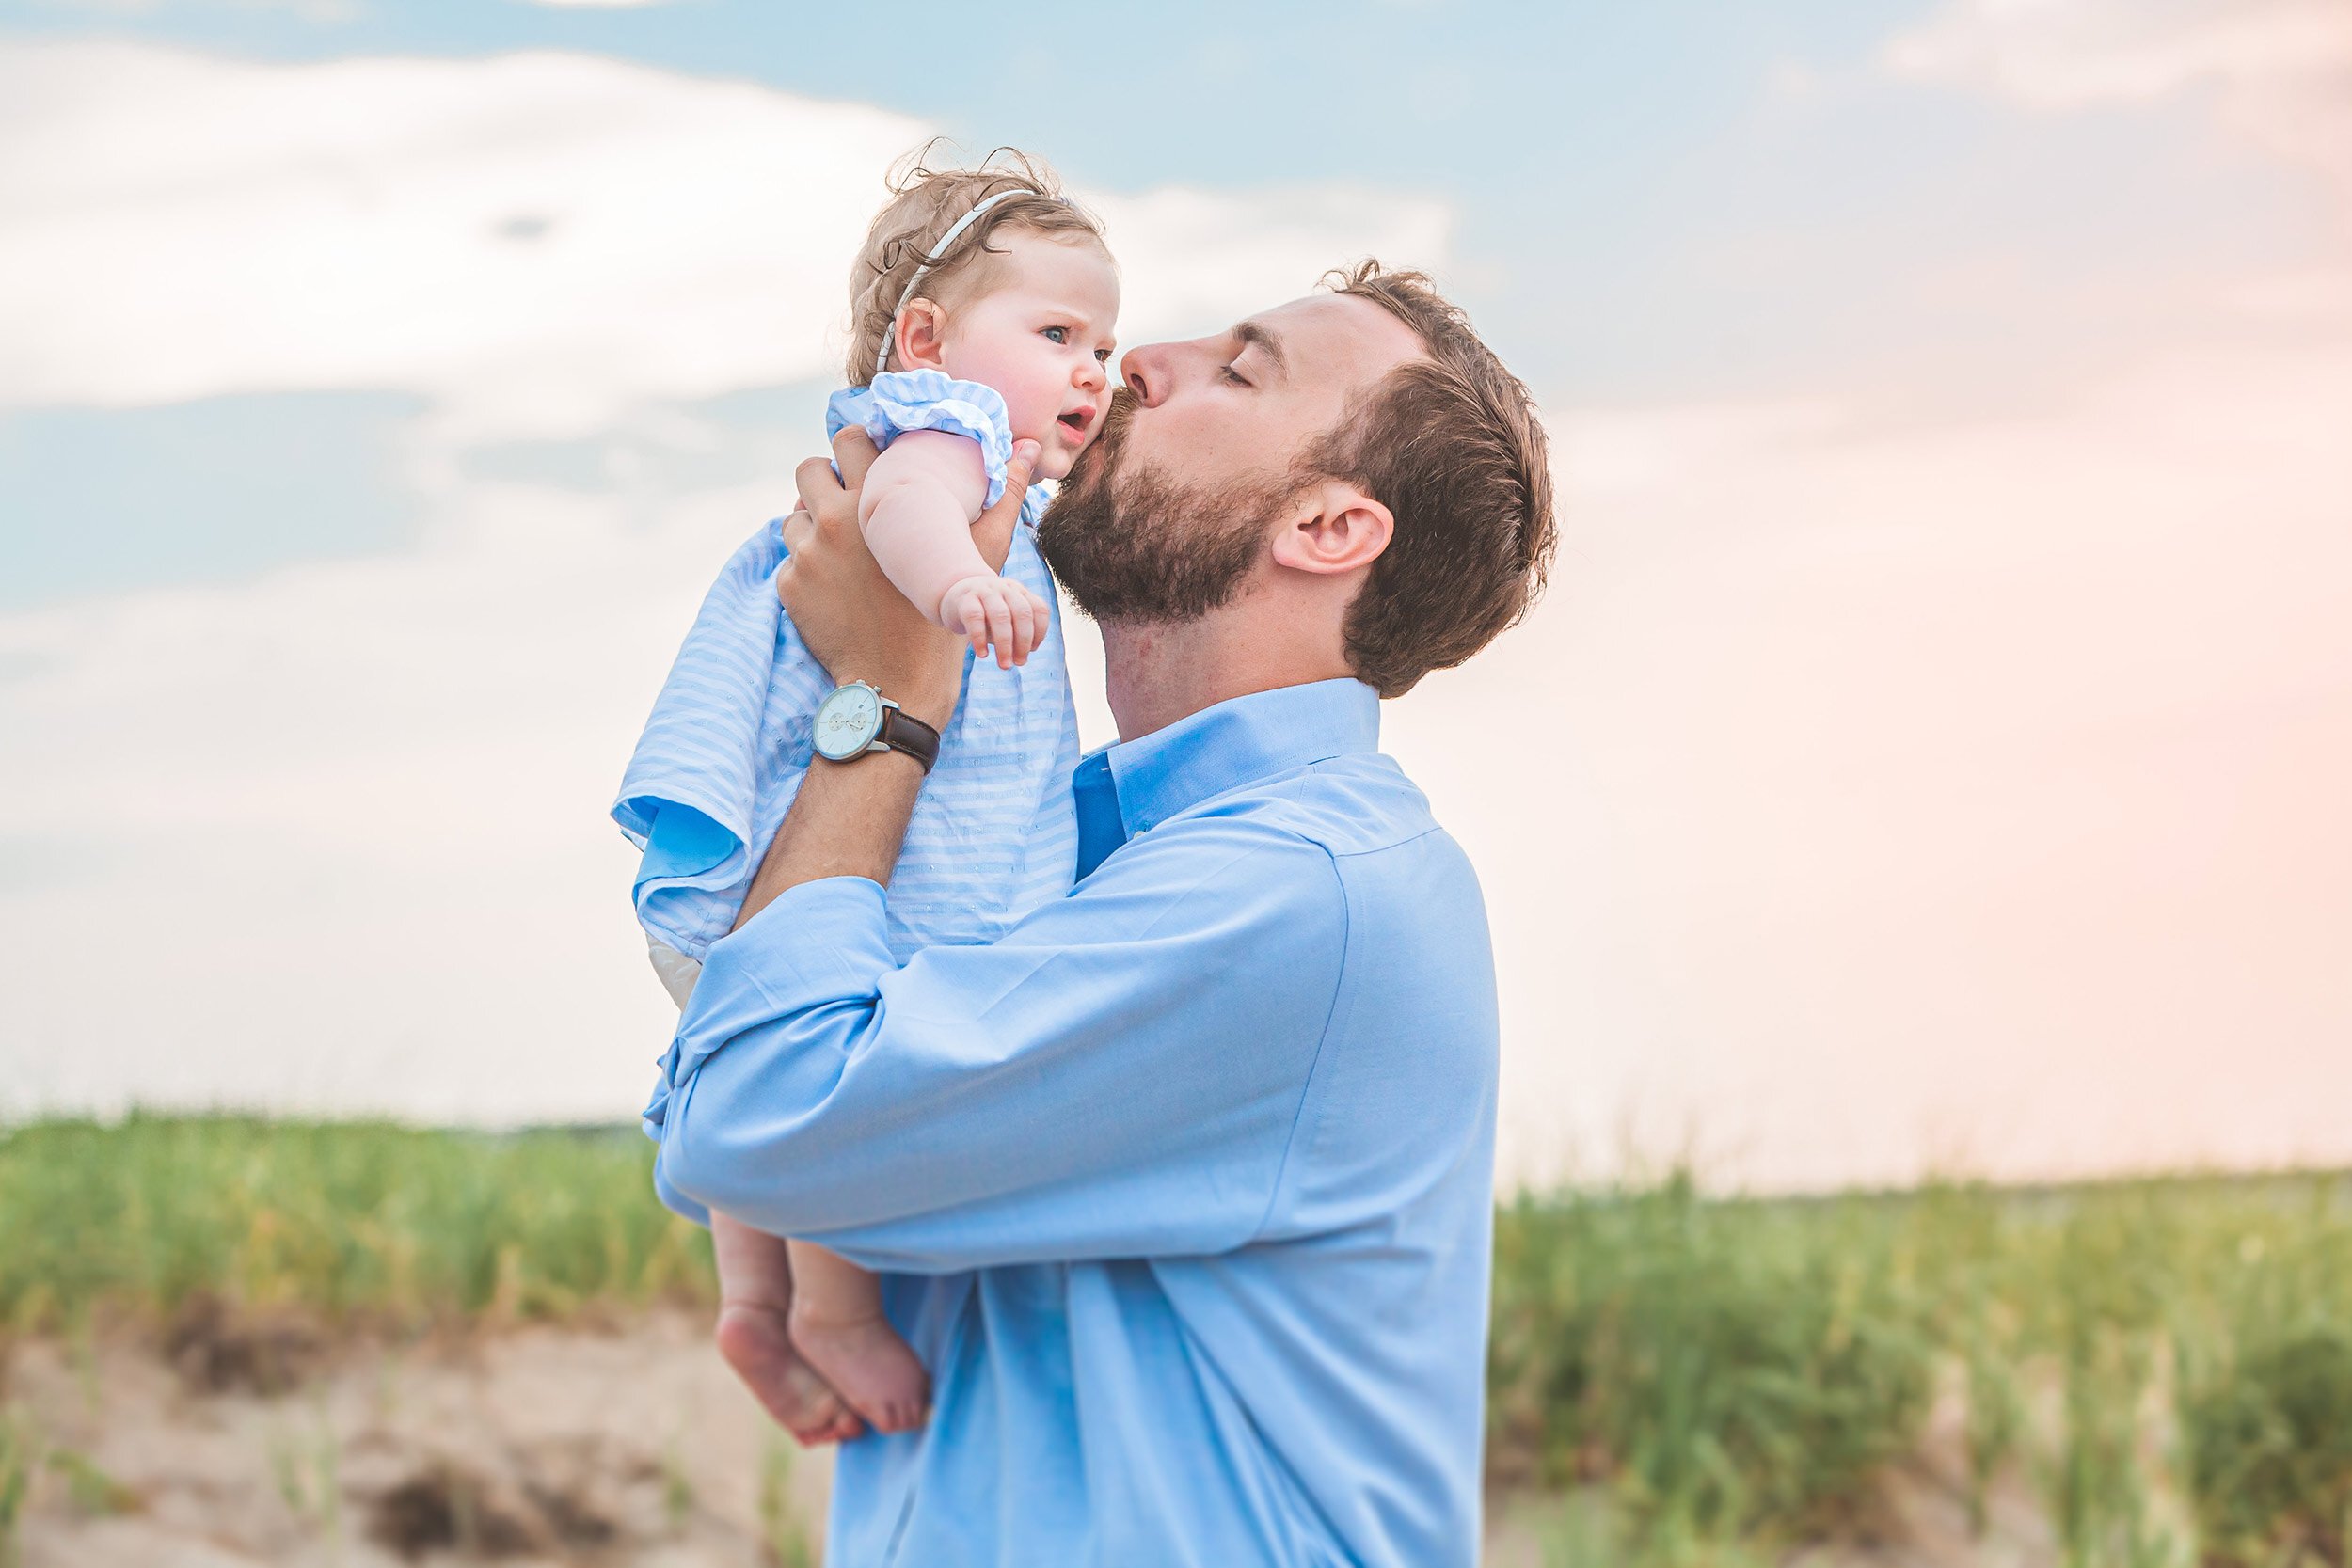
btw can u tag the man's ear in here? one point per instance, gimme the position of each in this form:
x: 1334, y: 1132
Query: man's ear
x: 922, y: 326
x: 1335, y: 528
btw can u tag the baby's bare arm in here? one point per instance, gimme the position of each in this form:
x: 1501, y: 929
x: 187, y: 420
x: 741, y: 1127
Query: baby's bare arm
x: 916, y: 512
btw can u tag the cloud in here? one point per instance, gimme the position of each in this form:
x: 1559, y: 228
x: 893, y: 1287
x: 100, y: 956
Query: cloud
x: 2065, y: 54
x: 535, y: 241
x: 539, y: 242
x: 1193, y: 261
x: 2283, y: 69
x: 334, y: 838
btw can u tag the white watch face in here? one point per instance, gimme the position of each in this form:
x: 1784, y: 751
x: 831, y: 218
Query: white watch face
x: 847, y: 722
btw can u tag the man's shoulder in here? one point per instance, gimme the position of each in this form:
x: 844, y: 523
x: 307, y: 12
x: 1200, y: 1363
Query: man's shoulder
x: 1357, y: 804
x: 1285, y: 845
x: 1393, y: 870
x: 1299, y: 852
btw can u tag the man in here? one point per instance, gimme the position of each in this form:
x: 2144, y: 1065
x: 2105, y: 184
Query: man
x: 1182, y: 1190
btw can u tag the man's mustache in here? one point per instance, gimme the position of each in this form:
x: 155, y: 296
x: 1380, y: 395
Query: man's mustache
x: 1103, y: 451
x: 1123, y: 405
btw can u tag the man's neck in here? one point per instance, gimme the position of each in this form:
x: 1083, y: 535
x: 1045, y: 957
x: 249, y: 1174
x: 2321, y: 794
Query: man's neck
x: 1158, y: 673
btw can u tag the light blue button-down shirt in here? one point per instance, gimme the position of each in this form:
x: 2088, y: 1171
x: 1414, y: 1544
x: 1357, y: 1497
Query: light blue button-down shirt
x: 1181, y: 1189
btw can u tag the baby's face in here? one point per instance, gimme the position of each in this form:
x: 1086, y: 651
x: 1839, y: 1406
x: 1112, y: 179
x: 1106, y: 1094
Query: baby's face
x: 1044, y: 338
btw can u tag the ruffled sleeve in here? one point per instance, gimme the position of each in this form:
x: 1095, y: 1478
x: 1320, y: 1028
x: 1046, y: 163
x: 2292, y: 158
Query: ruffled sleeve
x: 901, y: 400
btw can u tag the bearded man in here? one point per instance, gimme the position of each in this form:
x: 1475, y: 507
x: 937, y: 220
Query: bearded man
x: 1182, y: 1190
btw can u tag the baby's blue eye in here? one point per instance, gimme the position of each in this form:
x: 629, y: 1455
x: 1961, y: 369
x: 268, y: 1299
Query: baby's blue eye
x: 1057, y: 334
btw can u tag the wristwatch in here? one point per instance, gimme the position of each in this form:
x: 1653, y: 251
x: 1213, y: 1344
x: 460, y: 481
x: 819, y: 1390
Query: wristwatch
x: 857, y: 719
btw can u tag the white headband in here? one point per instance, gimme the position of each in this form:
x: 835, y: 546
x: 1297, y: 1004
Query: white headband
x: 883, y: 359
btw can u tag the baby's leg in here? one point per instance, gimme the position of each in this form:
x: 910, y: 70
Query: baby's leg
x: 755, y: 1306
x: 838, y: 1324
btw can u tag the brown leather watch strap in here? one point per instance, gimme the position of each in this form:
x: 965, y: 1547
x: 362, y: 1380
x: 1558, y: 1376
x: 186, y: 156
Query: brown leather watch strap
x: 902, y: 732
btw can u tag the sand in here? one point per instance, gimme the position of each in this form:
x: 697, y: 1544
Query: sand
x: 631, y: 1446
x: 225, y: 1440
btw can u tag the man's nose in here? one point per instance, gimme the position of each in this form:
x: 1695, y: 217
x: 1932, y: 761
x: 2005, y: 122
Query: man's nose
x: 1149, y: 372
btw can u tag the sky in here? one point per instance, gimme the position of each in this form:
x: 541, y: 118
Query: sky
x: 1941, y: 711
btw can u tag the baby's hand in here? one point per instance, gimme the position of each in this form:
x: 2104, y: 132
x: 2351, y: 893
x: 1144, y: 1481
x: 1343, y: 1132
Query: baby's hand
x: 993, y: 610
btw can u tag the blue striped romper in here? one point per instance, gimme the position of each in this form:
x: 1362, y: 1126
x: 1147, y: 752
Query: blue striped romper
x: 994, y: 833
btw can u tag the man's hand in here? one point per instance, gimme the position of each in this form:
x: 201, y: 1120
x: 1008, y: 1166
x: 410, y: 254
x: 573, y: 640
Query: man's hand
x: 859, y: 626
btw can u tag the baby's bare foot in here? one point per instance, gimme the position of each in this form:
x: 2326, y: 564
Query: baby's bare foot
x: 756, y: 1342
x: 866, y: 1363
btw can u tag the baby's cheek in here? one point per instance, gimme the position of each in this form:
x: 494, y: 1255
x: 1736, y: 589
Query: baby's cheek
x: 1032, y: 410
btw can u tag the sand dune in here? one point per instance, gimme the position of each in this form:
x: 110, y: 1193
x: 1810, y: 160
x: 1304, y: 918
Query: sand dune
x: 218, y: 1445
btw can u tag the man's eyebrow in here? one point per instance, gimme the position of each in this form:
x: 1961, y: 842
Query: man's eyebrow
x: 1262, y: 335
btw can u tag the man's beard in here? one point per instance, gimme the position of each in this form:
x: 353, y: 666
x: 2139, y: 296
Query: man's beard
x: 1133, y: 543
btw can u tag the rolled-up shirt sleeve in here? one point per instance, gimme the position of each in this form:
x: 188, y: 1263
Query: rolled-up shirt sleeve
x: 1121, y: 1075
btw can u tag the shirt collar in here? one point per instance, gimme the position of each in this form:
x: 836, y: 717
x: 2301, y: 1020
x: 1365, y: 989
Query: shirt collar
x: 1239, y: 741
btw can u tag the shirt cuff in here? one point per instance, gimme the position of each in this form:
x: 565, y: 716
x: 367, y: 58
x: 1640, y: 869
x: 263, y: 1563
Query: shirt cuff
x: 675, y: 1201
x: 820, y: 942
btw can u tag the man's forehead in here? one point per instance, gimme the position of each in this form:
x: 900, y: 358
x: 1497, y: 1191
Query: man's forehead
x: 1348, y: 338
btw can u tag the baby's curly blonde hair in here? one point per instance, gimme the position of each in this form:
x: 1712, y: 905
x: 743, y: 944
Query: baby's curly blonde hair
x: 925, y: 202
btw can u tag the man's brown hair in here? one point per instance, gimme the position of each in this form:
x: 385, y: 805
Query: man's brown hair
x: 925, y: 202
x: 1452, y: 446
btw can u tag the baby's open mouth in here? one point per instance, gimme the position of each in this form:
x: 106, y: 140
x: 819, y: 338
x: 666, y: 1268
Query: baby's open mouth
x: 1077, y: 420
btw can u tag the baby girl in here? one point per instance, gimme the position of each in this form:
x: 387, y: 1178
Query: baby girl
x: 983, y: 303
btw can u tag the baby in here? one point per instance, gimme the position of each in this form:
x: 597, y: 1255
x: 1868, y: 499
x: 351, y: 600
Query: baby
x: 983, y: 303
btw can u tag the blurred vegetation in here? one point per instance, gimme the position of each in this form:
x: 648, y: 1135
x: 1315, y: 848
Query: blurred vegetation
x: 396, y: 1224
x: 2166, y: 1364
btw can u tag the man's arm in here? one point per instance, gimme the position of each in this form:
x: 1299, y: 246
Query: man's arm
x: 1124, y: 1074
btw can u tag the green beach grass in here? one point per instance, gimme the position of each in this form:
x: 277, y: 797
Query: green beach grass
x: 398, y: 1224
x: 2167, y: 1364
